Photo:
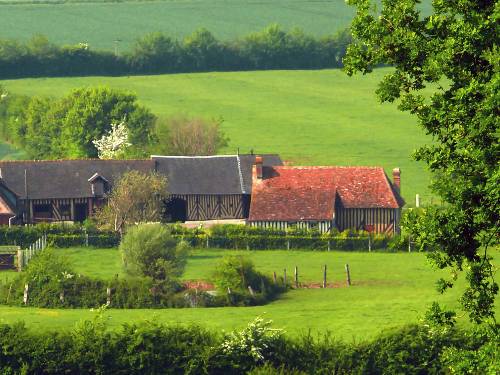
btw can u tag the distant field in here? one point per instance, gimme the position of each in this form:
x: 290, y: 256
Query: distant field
x: 100, y: 24
x: 309, y: 117
x: 389, y: 290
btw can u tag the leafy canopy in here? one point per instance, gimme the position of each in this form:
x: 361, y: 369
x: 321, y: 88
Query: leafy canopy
x: 454, y: 52
x: 135, y: 198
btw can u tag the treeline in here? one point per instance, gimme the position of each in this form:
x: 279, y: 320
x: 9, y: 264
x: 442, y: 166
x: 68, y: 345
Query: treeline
x: 271, y: 48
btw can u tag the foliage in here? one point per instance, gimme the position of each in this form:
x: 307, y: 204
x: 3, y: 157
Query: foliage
x: 153, y: 348
x: 271, y: 48
x: 482, y: 356
x: 454, y: 51
x: 150, y: 250
x: 67, y: 128
x: 236, y: 273
x: 135, y: 198
x: 182, y: 135
x: 243, y: 350
x: 231, y: 236
x: 59, y: 235
x: 113, y: 144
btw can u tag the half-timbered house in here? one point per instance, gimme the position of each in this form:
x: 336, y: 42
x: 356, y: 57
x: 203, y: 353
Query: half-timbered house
x: 325, y: 198
x: 199, y: 188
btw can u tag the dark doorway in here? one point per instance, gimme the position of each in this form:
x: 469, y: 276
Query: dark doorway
x: 81, y: 212
x: 175, y: 210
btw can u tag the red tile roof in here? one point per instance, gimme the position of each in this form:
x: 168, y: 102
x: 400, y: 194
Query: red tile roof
x: 309, y: 193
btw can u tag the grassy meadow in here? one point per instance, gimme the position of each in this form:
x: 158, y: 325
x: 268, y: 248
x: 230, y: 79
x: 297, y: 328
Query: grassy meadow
x: 106, y: 22
x: 320, y: 117
x: 388, y: 291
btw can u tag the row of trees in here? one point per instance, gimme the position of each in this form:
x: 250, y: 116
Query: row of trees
x: 101, y: 122
x: 272, y: 48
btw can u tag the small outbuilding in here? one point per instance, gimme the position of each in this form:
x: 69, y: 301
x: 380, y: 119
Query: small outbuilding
x: 360, y: 198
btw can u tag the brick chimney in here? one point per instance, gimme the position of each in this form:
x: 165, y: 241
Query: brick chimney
x: 396, y: 178
x: 258, y: 167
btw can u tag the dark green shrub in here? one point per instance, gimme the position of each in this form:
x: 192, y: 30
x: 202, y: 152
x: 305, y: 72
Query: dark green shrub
x: 151, y: 250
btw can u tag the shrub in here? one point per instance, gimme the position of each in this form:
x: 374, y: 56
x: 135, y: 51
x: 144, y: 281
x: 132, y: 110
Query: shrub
x: 151, y: 250
x: 235, y: 274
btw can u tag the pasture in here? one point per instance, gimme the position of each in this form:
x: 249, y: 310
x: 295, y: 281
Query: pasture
x: 320, y: 117
x: 388, y: 291
x: 105, y: 22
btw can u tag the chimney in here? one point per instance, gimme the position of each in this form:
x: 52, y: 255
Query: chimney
x: 258, y: 166
x: 396, y: 178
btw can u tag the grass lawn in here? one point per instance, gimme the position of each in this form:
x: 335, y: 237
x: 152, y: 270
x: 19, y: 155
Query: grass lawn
x: 389, y: 290
x: 320, y: 117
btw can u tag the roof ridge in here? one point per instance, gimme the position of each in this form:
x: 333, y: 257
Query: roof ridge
x: 192, y: 157
x: 67, y: 160
x: 326, y: 166
x: 240, y: 174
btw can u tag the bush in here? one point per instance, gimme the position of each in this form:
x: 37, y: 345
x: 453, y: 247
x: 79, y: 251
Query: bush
x: 150, y: 348
x: 233, y: 277
x: 151, y: 250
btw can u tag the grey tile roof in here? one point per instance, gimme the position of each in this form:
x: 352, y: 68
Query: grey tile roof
x: 226, y: 174
x: 221, y: 174
x: 64, y: 178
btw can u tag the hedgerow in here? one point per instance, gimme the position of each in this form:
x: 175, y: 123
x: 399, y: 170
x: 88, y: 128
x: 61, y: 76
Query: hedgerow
x: 151, y: 348
x: 272, y: 48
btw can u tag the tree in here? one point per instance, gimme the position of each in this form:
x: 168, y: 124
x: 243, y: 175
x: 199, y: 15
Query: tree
x: 89, y: 113
x: 182, y: 135
x: 135, y: 198
x: 453, y: 52
x: 114, y: 143
x: 66, y: 128
x: 150, y: 250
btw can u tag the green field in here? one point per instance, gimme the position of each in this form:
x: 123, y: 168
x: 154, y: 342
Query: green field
x: 389, y: 290
x: 100, y: 24
x: 320, y: 117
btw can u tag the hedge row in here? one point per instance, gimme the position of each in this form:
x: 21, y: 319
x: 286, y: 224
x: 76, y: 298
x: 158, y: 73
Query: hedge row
x: 59, y: 235
x: 264, y: 242
x: 219, y: 236
x: 272, y: 48
x: 150, y: 348
x: 73, y: 240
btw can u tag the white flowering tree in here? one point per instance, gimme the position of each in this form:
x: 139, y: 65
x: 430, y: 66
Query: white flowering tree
x: 113, y: 143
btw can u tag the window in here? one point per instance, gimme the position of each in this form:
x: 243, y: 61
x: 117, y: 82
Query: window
x: 65, y: 209
x: 42, y: 210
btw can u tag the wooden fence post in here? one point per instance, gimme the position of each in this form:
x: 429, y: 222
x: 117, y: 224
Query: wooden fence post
x: 328, y: 245
x: 288, y: 244
x: 284, y: 276
x: 274, y: 278
x: 20, y: 257
x: 207, y: 242
x: 8, y: 294
x: 296, y: 277
x: 25, y: 296
x: 324, y: 276
x: 348, y: 275
x: 251, y: 291
x: 61, y: 296
x: 369, y: 243
x: 108, y: 296
x: 409, y: 243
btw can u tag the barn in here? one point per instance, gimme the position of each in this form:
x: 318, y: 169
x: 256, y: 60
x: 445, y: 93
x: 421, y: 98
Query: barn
x: 325, y: 198
x: 199, y: 187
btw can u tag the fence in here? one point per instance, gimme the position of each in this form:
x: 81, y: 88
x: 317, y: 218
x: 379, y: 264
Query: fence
x: 270, y: 242
x: 25, y: 255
